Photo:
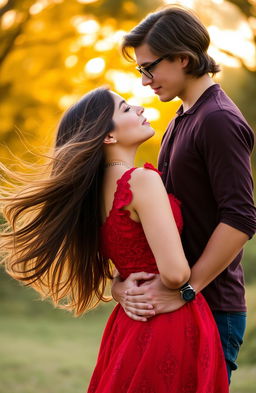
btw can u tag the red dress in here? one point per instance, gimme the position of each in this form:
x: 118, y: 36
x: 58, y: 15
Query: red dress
x: 177, y: 352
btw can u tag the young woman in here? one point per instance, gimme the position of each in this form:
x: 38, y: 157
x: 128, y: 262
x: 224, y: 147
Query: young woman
x: 92, y: 207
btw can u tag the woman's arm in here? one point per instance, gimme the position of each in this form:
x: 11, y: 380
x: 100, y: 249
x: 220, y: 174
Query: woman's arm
x: 151, y: 203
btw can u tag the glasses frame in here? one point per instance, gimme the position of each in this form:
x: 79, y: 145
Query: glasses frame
x: 145, y: 71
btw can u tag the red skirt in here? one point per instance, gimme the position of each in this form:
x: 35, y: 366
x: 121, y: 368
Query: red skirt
x: 177, y: 352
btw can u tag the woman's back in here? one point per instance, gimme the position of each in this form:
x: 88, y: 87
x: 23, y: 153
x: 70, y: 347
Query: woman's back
x: 122, y: 238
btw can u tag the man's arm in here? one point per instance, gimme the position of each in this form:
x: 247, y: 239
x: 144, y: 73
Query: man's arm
x: 223, y: 246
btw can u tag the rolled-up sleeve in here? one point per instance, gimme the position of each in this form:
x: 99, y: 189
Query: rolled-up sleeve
x: 226, y: 143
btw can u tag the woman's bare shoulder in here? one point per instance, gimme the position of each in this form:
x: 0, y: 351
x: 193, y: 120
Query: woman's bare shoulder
x: 145, y: 179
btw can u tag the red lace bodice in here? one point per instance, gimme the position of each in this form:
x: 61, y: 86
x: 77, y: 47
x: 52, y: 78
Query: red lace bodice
x: 123, y: 239
x: 179, y: 351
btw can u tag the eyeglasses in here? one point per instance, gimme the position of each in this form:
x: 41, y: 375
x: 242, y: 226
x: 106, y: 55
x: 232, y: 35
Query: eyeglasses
x: 146, y: 70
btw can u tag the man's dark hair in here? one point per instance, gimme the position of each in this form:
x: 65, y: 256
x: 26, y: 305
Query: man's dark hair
x: 173, y: 32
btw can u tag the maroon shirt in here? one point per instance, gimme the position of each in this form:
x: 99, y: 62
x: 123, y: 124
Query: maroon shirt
x: 205, y: 161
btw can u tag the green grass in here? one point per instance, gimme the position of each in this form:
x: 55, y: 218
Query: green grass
x: 44, y: 350
x: 244, y: 380
x: 43, y: 355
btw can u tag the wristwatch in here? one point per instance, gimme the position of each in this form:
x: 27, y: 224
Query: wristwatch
x: 187, y: 292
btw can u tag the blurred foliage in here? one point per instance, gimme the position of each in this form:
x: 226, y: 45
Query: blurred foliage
x: 249, y: 264
x: 53, y: 51
x: 248, y: 10
x: 45, y: 47
x: 248, y: 7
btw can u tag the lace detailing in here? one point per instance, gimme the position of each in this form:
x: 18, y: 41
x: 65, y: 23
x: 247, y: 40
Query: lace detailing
x: 123, y: 194
x: 150, y: 166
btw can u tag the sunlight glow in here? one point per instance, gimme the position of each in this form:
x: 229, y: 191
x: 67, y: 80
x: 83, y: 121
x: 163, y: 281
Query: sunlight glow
x: 3, y: 3
x: 185, y: 3
x: 252, y: 21
x: 37, y: 7
x: 104, y: 45
x: 71, y: 61
x: 135, y: 101
x: 87, y: 40
x: 8, y: 19
x: 127, y: 82
x: 111, y: 39
x: 118, y: 36
x: 86, y: 1
x: 144, y: 92
x: 223, y: 58
x: 66, y: 101
x: 95, y: 66
x: 151, y: 114
x: 87, y: 27
x: 238, y: 42
x: 123, y: 81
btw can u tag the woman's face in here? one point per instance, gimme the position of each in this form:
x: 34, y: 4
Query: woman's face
x: 131, y: 127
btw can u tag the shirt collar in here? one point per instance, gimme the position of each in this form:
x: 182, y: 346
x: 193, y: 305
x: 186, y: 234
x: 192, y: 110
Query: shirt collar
x: 200, y: 100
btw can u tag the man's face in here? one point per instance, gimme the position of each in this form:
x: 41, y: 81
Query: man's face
x: 169, y: 78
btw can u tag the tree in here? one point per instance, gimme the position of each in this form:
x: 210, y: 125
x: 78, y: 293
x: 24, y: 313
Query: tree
x: 53, y: 51
x: 248, y: 9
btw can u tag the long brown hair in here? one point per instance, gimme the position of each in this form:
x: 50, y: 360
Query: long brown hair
x: 51, y: 240
x: 172, y: 32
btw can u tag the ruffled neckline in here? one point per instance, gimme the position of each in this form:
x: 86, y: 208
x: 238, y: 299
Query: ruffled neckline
x: 123, y: 193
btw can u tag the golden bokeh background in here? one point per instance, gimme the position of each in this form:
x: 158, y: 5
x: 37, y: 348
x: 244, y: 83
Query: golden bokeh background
x: 54, y: 51
x: 51, y: 53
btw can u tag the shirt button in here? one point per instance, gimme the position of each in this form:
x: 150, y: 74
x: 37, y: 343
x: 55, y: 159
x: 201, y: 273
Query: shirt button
x: 165, y: 164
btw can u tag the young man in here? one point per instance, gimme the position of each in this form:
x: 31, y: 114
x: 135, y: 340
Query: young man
x: 205, y: 163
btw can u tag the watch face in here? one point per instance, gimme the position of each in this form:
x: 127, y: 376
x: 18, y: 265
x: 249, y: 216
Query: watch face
x: 188, y: 295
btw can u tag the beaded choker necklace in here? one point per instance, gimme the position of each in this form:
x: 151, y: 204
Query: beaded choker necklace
x: 114, y: 163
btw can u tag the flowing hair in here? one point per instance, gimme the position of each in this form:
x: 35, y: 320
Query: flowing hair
x: 51, y: 238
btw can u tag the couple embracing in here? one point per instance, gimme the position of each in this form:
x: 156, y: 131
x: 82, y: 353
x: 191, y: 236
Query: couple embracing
x: 175, y: 234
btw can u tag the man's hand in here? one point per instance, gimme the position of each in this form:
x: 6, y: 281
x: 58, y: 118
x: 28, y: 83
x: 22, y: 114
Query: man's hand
x: 143, y: 309
x: 146, y: 300
x: 152, y: 292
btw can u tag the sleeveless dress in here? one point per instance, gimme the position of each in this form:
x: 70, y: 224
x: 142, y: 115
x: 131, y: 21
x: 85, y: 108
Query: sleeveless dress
x: 177, y: 352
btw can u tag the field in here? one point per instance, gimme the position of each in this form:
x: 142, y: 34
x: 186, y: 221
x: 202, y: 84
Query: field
x: 44, y: 350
